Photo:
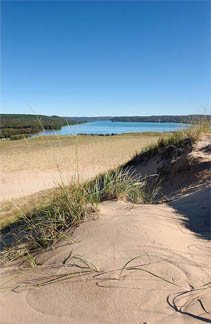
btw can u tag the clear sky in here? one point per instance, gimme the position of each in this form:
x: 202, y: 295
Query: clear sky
x: 105, y: 58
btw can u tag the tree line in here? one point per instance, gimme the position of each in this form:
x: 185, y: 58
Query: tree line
x: 15, y: 126
x: 187, y: 119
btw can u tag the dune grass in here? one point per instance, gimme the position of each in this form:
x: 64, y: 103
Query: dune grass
x: 178, y: 141
x: 41, y: 228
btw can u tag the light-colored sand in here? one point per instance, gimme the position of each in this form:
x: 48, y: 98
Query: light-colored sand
x: 169, y: 281
x: 159, y: 234
x: 180, y: 173
x: 41, y: 163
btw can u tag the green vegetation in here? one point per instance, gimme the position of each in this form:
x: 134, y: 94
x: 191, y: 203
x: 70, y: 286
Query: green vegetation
x: 187, y: 119
x: 42, y: 227
x: 17, y: 126
x: 88, y: 119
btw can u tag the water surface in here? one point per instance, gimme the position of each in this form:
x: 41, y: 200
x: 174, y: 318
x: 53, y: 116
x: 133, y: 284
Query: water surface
x: 109, y: 127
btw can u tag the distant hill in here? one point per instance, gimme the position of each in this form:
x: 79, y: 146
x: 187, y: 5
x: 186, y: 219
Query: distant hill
x: 162, y: 118
x: 188, y: 119
x: 15, y: 126
x: 87, y: 119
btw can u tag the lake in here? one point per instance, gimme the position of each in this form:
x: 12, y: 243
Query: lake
x: 109, y: 127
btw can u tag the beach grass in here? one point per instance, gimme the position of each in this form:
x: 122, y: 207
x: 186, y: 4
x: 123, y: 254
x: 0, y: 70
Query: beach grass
x: 42, y: 227
x: 179, y: 140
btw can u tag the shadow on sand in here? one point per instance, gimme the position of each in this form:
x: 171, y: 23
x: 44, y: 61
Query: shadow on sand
x: 196, y: 211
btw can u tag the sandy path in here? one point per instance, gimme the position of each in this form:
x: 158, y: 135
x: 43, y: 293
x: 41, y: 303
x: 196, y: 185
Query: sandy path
x: 41, y: 163
x: 167, y: 248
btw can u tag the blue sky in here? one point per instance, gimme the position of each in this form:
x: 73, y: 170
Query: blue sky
x: 105, y: 58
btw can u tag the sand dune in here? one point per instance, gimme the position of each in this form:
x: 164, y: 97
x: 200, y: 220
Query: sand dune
x: 142, y: 264
x: 166, y: 248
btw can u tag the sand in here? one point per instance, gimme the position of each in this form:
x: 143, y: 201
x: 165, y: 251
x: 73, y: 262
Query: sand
x: 166, y: 247
x: 128, y: 264
x: 44, y: 162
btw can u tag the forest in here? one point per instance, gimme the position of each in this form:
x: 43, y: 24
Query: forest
x: 187, y: 119
x: 16, y: 126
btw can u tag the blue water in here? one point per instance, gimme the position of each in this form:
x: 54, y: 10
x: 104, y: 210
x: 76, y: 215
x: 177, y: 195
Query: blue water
x: 109, y: 127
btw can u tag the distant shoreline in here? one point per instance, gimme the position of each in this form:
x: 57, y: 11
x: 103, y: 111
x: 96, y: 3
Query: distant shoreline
x: 19, y: 126
x: 186, y: 119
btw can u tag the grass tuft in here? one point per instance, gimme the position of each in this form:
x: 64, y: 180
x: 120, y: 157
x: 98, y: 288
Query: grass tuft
x: 43, y: 227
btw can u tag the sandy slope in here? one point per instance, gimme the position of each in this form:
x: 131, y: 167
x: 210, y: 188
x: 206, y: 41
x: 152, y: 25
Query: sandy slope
x: 41, y: 163
x: 182, y: 171
x: 159, y: 234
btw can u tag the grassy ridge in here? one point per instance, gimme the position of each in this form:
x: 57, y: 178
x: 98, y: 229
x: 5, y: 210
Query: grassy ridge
x: 15, y: 126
